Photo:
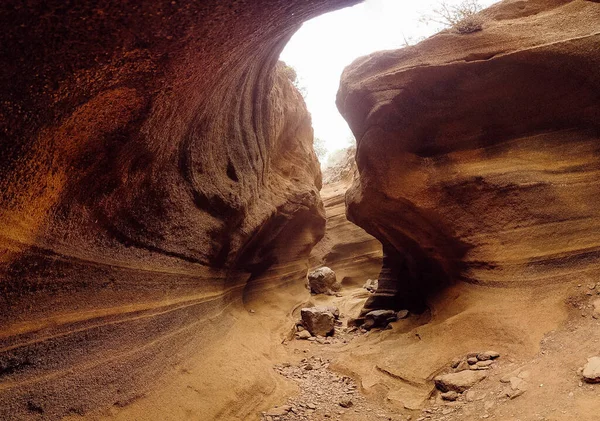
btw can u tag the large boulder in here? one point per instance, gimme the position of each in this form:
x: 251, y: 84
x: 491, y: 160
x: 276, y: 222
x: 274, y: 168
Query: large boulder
x: 319, y: 321
x: 323, y: 281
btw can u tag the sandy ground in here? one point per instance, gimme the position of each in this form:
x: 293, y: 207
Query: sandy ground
x: 547, y: 334
x: 543, y: 329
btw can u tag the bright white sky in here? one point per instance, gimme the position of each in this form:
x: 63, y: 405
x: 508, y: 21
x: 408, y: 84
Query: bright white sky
x: 325, y: 45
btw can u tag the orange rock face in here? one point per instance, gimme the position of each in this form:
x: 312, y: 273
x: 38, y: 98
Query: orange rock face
x: 354, y: 255
x: 478, y: 153
x: 154, y: 157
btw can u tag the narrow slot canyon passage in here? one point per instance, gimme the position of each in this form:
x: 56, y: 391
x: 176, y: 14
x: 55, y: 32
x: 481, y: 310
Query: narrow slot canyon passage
x: 189, y: 230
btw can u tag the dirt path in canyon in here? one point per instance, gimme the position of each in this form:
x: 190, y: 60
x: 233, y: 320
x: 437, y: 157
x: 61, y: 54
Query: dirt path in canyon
x: 552, y: 388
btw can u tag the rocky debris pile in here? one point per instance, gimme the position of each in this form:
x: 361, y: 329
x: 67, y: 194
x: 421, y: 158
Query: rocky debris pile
x: 323, y: 281
x: 323, y: 393
x: 475, y: 361
x: 591, y: 371
x: 317, y: 321
x: 378, y: 319
x: 468, y: 371
x: 516, y: 383
x: 371, y: 285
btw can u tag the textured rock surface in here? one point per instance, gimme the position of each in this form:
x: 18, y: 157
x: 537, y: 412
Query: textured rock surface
x: 478, y: 154
x: 591, y: 370
x: 459, y: 382
x: 153, y: 160
x: 352, y: 253
x: 318, y: 320
x: 322, y: 281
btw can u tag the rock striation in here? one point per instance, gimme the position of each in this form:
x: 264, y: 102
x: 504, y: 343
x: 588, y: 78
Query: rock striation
x: 157, y: 164
x: 352, y: 253
x: 477, y: 153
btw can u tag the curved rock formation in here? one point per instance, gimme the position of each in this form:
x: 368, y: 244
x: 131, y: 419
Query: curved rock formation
x: 354, y: 255
x: 478, y: 153
x: 153, y: 159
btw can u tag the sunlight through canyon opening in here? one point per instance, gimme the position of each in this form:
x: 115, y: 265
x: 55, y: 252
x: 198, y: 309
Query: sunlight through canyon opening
x: 325, y: 45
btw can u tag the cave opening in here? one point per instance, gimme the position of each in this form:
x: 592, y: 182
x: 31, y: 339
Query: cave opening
x: 321, y: 49
x: 317, y: 55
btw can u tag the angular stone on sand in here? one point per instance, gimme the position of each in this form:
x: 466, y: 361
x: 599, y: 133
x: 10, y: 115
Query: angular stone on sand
x: 596, y: 303
x: 371, y: 285
x: 303, y: 334
x: 591, y: 371
x: 450, y: 396
x: 402, y: 314
x: 323, y: 281
x: 318, y: 320
x: 459, y: 382
x: 379, y: 318
x: 333, y: 310
x: 488, y: 355
x: 518, y: 384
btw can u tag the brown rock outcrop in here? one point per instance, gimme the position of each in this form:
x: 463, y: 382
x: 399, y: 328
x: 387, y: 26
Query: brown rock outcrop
x: 352, y: 253
x: 478, y: 154
x: 153, y: 159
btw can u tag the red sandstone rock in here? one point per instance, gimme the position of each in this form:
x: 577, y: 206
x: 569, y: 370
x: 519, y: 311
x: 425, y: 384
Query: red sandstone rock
x: 477, y: 154
x: 152, y: 160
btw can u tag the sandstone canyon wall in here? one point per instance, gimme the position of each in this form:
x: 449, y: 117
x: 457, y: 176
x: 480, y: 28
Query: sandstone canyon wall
x: 354, y: 255
x: 154, y: 158
x: 478, y: 154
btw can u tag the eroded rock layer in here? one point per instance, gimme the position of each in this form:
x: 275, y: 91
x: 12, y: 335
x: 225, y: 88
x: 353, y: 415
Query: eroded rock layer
x: 154, y: 157
x: 354, y: 255
x: 478, y: 153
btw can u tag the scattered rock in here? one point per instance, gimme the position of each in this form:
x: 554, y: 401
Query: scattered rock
x: 514, y: 393
x: 488, y: 355
x: 278, y: 411
x: 459, y: 382
x: 371, y: 285
x: 346, y: 403
x: 463, y: 365
x: 323, y: 281
x: 484, y: 364
x: 518, y: 384
x: 318, y: 320
x: 402, y: 314
x: 470, y: 396
x: 596, y: 304
x: 472, y: 360
x: 333, y: 310
x: 450, y: 396
x: 591, y: 371
x: 379, y: 318
x: 303, y: 334
x: 355, y: 322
